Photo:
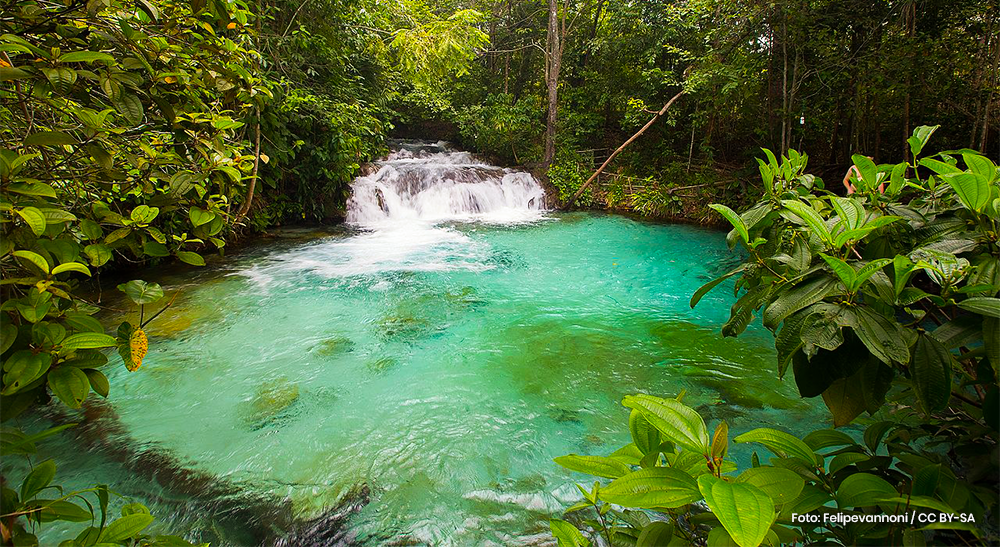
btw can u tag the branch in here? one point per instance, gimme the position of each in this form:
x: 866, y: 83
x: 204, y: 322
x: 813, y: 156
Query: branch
x: 622, y: 147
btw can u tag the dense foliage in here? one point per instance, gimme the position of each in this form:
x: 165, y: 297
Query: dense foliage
x: 885, y: 302
x: 138, y: 132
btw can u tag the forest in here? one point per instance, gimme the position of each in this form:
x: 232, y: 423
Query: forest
x: 499, y: 272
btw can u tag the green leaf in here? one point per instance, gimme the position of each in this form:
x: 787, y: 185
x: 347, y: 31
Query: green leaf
x: 863, y: 490
x: 930, y: 369
x: 200, y: 216
x: 841, y: 461
x: 645, y: 436
x: 144, y: 214
x: 194, y: 259
x: 61, y: 78
x: 677, y: 422
x: 39, y: 478
x: 34, y: 258
x: 983, y: 305
x: 49, y: 138
x: 71, y: 267
x: 126, y: 527
x: 882, y: 336
x: 972, y: 189
x: 810, y: 217
x: 869, y: 173
x: 34, y: 218
x: 744, y: 510
x: 70, y: 384
x: 704, y: 289
x: 22, y: 368
x: 809, y: 500
x: 39, y: 189
x: 843, y: 270
x: 663, y: 487
x: 8, y: 74
x: 98, y: 381
x: 98, y: 253
x: 8, y: 334
x: 141, y: 292
x: 594, y: 465
x: 796, y: 298
x: 920, y: 137
x: 87, y: 340
x: 85, y: 57
x: 566, y: 534
x: 64, y: 510
x: 981, y: 165
x: 655, y: 534
x: 733, y: 219
x: 129, y: 105
x: 781, y: 485
x: 152, y: 248
x: 781, y: 443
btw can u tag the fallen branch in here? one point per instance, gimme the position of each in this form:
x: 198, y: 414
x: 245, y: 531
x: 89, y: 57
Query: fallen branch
x: 622, y: 147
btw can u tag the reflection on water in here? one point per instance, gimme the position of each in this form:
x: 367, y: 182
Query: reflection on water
x: 428, y: 368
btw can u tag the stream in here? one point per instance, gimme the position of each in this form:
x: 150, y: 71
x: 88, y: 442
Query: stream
x: 435, y: 354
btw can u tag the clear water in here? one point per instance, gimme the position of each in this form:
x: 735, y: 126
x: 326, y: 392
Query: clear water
x: 441, y: 364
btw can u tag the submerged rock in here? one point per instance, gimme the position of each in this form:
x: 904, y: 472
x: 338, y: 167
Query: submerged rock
x: 379, y: 366
x: 334, y: 346
x: 269, y: 403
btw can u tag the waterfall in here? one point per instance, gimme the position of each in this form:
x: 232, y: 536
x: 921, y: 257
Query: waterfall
x: 431, y: 183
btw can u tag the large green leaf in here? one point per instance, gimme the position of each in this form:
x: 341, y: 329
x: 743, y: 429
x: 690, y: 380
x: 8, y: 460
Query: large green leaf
x: 142, y: 292
x: 22, y: 368
x: 34, y: 259
x: 70, y: 384
x: 37, y: 479
x: 566, y: 534
x: 645, y: 436
x: 34, y: 218
x: 882, y: 336
x: 863, y: 490
x: 744, y: 510
x: 594, y: 465
x: 654, y: 487
x: 983, y: 305
x: 920, y: 137
x: 972, y: 189
x: 126, y: 527
x: 782, y: 485
x: 704, y: 289
x: 796, y: 298
x: 844, y: 271
x: 85, y: 57
x: 49, y: 138
x: 781, y: 443
x: 810, y: 217
x: 862, y: 391
x: 734, y: 219
x: 656, y: 534
x: 930, y: 369
x: 191, y: 258
x: 678, y: 422
x: 87, y: 340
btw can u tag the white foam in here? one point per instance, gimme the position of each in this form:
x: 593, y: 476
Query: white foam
x: 432, y: 184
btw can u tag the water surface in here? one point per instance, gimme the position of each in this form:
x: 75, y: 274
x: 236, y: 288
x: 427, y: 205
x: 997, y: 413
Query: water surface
x: 439, y: 356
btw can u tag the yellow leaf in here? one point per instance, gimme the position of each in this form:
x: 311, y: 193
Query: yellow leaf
x: 138, y: 346
x: 231, y: 26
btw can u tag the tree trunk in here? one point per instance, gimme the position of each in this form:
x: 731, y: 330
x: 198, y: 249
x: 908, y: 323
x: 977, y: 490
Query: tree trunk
x: 554, y: 59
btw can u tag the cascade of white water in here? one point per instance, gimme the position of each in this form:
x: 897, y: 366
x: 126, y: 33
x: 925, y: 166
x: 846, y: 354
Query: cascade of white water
x: 429, y: 182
